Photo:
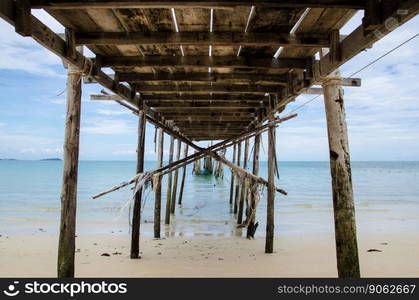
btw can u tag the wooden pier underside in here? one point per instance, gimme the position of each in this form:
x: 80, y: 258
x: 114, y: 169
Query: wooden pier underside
x: 205, y: 70
x: 220, y: 52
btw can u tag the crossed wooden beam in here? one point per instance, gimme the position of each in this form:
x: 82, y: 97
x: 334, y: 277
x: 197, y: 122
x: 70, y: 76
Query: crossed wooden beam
x: 200, y: 152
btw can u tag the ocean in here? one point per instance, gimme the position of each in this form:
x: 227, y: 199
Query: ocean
x: 386, y: 197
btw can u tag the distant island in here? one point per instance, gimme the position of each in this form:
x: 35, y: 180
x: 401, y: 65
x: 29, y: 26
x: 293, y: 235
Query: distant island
x: 54, y: 158
x: 7, y: 159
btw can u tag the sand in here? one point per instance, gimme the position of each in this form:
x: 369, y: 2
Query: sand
x: 294, y: 256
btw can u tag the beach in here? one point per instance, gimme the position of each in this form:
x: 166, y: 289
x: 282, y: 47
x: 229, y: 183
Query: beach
x: 294, y: 256
x: 202, y: 239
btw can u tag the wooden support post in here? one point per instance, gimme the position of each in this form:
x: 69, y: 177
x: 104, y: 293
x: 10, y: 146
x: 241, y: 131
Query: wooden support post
x: 269, y: 244
x: 66, y: 244
x: 169, y: 183
x: 136, y: 213
x: 251, y: 215
x: 157, y: 197
x: 70, y: 43
x: 232, y: 176
x: 23, y: 24
x: 237, y: 194
x: 243, y: 186
x: 174, y: 190
x: 185, y: 154
x: 340, y: 167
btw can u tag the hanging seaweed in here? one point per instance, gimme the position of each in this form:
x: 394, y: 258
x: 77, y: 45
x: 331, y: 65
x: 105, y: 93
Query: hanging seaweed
x: 208, y: 167
x: 197, y: 167
x: 219, y: 167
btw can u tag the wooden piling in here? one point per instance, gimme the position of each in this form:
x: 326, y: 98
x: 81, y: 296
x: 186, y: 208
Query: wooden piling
x: 269, y: 243
x: 237, y: 193
x: 251, y: 214
x: 185, y: 154
x: 66, y: 244
x: 174, y: 189
x: 157, y: 197
x: 340, y: 167
x: 136, y: 213
x: 243, y: 185
x: 169, y: 183
x: 232, y: 176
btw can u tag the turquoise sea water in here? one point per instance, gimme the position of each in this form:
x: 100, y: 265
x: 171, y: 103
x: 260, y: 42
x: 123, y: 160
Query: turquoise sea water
x: 386, y: 194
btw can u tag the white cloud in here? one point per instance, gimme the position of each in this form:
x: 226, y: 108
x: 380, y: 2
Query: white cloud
x: 113, y: 112
x: 24, y: 54
x: 107, y: 126
x: 124, y: 152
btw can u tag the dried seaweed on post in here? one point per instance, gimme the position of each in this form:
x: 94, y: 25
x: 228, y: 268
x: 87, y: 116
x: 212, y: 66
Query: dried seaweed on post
x: 208, y: 167
x: 219, y: 169
x: 197, y: 167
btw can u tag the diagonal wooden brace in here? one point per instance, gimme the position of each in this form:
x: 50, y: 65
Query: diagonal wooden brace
x: 210, y: 151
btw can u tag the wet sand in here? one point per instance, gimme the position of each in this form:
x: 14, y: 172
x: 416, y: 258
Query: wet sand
x: 295, y: 256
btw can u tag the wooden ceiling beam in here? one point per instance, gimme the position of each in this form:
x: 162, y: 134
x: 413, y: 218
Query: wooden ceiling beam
x: 204, y: 38
x: 208, y: 88
x: 203, y: 61
x: 395, y: 13
x: 189, y: 119
x: 201, y: 97
x: 201, y: 77
x: 203, y: 108
x: 82, y: 4
x: 206, y: 104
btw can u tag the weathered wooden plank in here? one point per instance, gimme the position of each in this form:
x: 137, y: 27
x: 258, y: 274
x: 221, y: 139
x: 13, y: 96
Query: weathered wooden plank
x: 232, y: 176
x: 270, y: 209
x: 81, y: 4
x: 136, y: 212
x: 157, y: 198
x: 201, y: 76
x: 340, y: 167
x: 174, y: 189
x: 182, y: 185
x: 243, y: 190
x: 251, y: 213
x: 203, y: 61
x: 396, y: 14
x: 23, y: 24
x: 210, y: 114
x: 204, y: 38
x: 169, y: 183
x: 191, y: 105
x: 207, y: 108
x: 66, y: 243
x: 237, y: 188
x: 209, y: 88
x: 206, y: 118
x: 199, y: 97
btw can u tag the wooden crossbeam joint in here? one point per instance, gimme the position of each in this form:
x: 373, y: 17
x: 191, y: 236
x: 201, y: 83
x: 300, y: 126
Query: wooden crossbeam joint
x: 373, y: 16
x: 70, y: 42
x: 335, y: 50
x: 23, y: 25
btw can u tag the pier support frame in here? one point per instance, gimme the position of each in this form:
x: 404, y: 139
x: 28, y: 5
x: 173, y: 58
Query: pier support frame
x: 340, y: 167
x: 185, y: 154
x: 66, y: 244
x: 136, y: 213
x: 237, y: 192
x: 232, y: 176
x: 251, y: 212
x: 243, y: 186
x: 269, y: 243
x: 157, y: 197
x: 169, y: 184
x: 175, y: 180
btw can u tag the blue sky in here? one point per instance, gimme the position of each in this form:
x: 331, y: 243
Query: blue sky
x: 382, y: 115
